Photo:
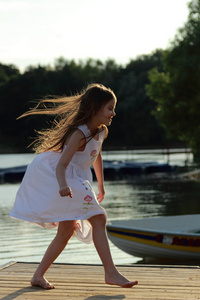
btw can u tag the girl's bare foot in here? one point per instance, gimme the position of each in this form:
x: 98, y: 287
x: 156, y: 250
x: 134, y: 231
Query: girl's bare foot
x: 42, y: 282
x: 117, y: 279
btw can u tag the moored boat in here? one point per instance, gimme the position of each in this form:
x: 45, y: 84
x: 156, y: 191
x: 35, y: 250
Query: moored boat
x: 158, y: 237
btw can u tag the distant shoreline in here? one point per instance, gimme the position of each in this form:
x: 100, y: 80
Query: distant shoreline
x: 138, y: 150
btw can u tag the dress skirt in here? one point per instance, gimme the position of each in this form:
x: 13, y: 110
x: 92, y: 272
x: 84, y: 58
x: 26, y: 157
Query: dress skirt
x: 38, y: 199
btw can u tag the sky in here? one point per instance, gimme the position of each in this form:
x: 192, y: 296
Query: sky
x: 36, y: 32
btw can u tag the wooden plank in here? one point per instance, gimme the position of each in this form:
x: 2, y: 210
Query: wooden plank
x: 86, y: 282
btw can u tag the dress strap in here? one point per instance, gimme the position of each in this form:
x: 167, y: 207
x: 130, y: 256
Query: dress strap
x: 85, y: 131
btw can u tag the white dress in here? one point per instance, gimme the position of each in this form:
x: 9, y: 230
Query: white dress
x: 38, y: 199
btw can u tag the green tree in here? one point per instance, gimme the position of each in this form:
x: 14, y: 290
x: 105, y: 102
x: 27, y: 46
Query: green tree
x: 7, y: 72
x: 176, y: 90
x: 134, y: 123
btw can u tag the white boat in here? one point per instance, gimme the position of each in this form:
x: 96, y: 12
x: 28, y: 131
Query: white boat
x: 158, y: 237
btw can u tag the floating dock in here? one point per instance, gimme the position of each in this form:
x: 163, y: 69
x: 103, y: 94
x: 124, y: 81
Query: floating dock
x: 112, y: 170
x: 86, y: 282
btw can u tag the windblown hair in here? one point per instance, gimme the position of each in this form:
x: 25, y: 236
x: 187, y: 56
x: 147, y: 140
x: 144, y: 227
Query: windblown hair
x: 70, y: 112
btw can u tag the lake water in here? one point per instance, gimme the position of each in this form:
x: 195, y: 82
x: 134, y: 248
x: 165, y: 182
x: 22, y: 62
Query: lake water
x: 134, y: 198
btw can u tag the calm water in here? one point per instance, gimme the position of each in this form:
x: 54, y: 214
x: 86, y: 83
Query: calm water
x: 135, y: 198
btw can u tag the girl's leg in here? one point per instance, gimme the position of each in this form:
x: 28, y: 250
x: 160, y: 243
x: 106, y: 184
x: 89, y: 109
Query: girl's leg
x: 64, y: 233
x: 112, y: 275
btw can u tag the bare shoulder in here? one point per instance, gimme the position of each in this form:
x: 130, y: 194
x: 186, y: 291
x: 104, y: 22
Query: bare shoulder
x: 104, y: 130
x: 78, y: 134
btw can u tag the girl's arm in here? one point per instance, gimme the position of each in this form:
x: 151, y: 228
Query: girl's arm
x: 75, y: 142
x: 98, y: 168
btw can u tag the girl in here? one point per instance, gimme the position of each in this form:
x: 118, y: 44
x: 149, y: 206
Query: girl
x: 56, y: 189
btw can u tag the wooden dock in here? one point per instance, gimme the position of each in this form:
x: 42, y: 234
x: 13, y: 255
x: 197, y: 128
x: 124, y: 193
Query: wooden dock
x: 86, y: 282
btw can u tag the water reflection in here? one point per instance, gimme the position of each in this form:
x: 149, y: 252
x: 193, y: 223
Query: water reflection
x: 143, y: 198
x: 174, y: 196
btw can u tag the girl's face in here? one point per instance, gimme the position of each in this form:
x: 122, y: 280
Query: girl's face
x: 106, y: 113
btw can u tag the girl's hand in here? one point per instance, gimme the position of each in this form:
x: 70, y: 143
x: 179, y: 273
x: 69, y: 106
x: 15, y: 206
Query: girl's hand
x: 65, y: 191
x: 101, y: 194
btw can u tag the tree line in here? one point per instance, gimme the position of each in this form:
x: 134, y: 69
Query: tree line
x: 134, y: 125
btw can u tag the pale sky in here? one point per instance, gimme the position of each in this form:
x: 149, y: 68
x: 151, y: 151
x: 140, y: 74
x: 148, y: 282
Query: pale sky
x: 36, y: 32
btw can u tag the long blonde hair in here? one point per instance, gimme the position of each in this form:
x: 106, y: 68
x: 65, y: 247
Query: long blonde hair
x: 70, y: 112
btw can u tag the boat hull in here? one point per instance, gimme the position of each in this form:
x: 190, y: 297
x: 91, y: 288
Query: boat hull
x: 156, y: 243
